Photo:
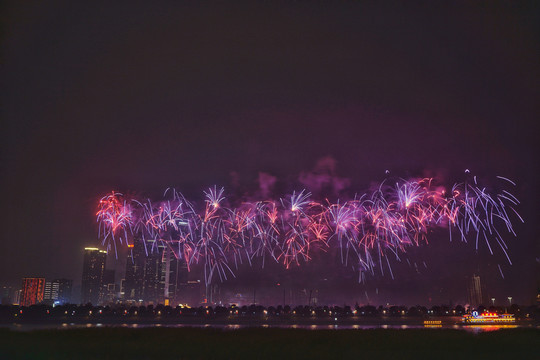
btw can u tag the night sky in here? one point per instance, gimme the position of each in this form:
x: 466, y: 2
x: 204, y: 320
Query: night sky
x: 136, y: 97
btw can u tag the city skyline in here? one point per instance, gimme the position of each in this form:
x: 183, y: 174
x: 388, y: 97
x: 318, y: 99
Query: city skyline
x: 153, y: 279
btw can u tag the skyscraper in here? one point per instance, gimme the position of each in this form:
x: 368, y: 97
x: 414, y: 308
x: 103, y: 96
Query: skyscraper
x: 174, y: 274
x: 92, y: 277
x: 153, y: 273
x: 153, y: 283
x: 32, y: 291
x: 134, y: 281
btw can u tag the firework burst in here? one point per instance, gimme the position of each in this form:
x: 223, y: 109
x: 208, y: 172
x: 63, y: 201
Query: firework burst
x: 365, y: 229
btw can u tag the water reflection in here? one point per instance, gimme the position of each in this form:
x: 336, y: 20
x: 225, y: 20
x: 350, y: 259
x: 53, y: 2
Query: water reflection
x: 468, y: 328
x: 488, y: 328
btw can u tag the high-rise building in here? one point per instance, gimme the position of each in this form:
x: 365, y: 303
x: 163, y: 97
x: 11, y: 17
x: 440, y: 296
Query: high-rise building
x: 92, y: 277
x: 153, y: 283
x: 174, y: 274
x: 58, y: 291
x: 153, y: 273
x: 475, y: 291
x: 32, y: 291
x: 134, y: 281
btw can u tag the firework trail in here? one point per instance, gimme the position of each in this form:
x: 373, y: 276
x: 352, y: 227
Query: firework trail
x: 367, y: 229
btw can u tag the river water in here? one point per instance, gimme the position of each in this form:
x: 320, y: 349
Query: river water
x: 232, y: 327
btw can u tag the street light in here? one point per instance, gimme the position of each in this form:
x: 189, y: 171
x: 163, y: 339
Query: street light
x: 493, y: 301
x: 510, y: 300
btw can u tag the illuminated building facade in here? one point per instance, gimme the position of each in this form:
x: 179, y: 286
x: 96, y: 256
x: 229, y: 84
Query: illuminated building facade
x: 92, y: 277
x: 49, y: 293
x: 32, y: 291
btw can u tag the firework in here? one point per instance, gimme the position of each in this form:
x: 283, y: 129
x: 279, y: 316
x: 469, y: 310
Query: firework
x: 366, y: 229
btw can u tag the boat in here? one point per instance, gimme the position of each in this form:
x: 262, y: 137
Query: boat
x: 487, y: 318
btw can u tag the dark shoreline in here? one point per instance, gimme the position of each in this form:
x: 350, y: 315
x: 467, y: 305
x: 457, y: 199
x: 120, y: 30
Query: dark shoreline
x: 255, y: 321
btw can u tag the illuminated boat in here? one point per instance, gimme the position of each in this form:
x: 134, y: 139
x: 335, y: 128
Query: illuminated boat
x: 487, y: 318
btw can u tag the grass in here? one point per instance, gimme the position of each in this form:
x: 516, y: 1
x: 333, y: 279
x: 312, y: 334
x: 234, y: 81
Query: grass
x: 272, y: 343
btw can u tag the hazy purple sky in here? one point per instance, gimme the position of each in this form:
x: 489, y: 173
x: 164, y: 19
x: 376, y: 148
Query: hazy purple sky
x: 138, y: 97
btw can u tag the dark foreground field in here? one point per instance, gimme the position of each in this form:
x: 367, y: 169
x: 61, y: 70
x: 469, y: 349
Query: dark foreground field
x: 257, y: 343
